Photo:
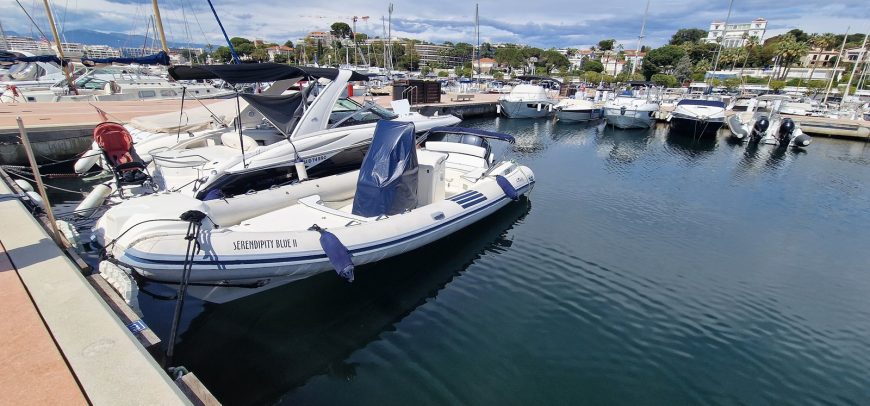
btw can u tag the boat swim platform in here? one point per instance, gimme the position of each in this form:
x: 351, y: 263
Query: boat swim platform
x: 62, y: 344
x: 60, y: 130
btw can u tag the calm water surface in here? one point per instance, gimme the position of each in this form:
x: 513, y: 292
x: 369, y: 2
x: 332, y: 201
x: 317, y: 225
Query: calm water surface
x: 645, y: 269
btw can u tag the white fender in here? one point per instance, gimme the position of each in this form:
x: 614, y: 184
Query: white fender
x: 24, y: 185
x: 539, y: 106
x: 69, y: 232
x: 93, y: 200
x: 87, y: 161
x: 498, y: 108
x: 123, y: 283
x: 36, y: 198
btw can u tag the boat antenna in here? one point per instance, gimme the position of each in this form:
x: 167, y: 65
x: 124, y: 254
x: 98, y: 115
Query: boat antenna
x: 639, y: 40
x: 227, y: 38
x: 836, y: 65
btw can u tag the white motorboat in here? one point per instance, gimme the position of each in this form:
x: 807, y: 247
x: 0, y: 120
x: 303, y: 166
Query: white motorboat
x: 402, y: 198
x: 697, y: 117
x: 630, y: 111
x: 526, y: 101
x: 577, y: 110
x: 331, y: 136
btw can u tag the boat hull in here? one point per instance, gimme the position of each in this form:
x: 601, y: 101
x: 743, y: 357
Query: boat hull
x: 578, y: 115
x: 627, y: 119
x: 245, y: 259
x: 525, y: 109
x: 695, y: 127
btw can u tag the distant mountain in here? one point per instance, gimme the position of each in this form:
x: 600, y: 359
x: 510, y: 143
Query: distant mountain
x: 112, y: 39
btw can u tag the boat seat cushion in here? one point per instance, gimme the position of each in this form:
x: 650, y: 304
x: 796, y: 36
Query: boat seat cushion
x: 455, y: 147
x: 231, y: 140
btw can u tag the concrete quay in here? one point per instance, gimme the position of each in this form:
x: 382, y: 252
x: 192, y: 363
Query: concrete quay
x: 62, y: 343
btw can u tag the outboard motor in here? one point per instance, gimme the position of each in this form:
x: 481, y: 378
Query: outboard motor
x: 760, y: 127
x: 785, y: 131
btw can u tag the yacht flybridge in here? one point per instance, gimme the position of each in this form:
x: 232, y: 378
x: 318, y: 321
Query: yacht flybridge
x: 402, y: 197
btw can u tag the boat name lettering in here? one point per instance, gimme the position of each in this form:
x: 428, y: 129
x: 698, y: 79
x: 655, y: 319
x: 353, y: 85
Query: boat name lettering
x: 264, y: 244
x: 315, y: 159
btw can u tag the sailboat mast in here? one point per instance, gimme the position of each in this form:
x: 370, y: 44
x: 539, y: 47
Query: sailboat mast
x: 477, y: 28
x: 836, y: 65
x: 724, y: 33
x: 855, y: 65
x: 65, y: 69
x: 3, y: 37
x: 159, y: 26
x: 639, y: 39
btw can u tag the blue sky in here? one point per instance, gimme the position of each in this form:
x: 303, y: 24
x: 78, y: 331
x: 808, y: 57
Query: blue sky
x: 554, y: 23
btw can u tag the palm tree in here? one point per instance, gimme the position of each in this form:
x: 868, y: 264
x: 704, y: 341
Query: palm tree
x: 750, y: 44
x: 789, y: 49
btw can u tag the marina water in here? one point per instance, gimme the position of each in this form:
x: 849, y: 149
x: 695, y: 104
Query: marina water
x: 646, y: 268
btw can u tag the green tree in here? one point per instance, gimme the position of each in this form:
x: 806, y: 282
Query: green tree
x: 703, y: 66
x: 498, y: 76
x: 689, y: 35
x: 777, y: 85
x: 260, y: 55
x: 281, y: 58
x: 340, y: 30
x: 244, y: 49
x: 443, y: 74
x: 360, y: 37
x: 592, y: 76
x: 288, y: 44
x: 592, y: 65
x: 732, y: 84
x: 606, y: 44
x: 662, y: 59
x: 665, y: 80
x: 222, y: 54
x: 236, y: 41
x: 684, y: 69
x: 790, y: 50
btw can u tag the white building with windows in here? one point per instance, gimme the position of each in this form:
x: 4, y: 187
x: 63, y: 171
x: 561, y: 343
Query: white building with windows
x: 736, y: 35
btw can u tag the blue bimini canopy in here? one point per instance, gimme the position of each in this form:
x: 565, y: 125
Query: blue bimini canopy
x: 160, y: 58
x: 699, y: 102
x: 387, y: 181
x: 474, y: 131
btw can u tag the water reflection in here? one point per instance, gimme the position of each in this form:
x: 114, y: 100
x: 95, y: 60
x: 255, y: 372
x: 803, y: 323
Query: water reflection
x: 689, y: 146
x: 256, y: 349
x: 621, y: 146
x: 529, y: 133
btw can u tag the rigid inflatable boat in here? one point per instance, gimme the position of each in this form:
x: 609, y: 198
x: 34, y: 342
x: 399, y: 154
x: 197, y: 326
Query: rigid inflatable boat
x: 403, y: 197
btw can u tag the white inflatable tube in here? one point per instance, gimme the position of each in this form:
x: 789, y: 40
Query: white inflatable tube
x: 93, y: 200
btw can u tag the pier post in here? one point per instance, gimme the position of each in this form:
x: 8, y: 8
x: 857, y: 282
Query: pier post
x: 38, y: 179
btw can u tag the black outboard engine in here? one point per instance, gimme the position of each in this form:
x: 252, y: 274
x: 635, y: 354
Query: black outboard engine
x: 760, y: 127
x: 786, y: 129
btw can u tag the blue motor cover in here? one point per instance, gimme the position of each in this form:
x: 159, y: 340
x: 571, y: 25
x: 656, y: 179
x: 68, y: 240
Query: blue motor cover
x: 509, y: 190
x: 387, y: 182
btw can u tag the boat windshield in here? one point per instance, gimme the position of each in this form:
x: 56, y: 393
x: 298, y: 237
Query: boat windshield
x: 347, y: 112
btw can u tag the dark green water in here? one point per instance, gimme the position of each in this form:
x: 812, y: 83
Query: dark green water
x: 644, y: 269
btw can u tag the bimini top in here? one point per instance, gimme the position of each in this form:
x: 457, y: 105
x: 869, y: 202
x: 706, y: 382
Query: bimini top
x: 283, y: 111
x: 474, y: 131
x: 253, y: 72
x: 700, y: 102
